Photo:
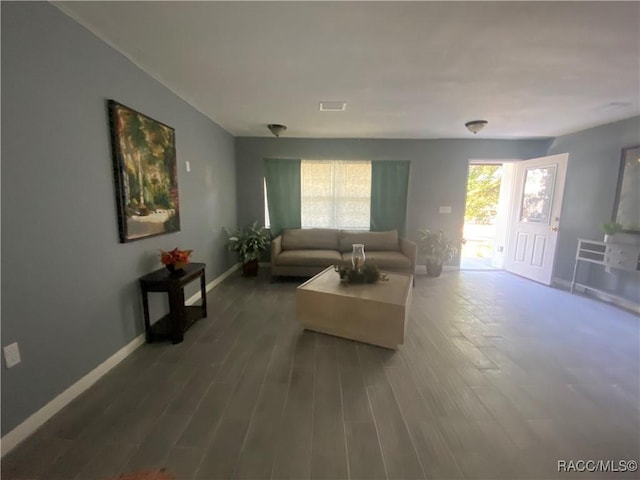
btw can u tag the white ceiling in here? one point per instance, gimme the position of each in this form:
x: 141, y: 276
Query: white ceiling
x: 406, y: 69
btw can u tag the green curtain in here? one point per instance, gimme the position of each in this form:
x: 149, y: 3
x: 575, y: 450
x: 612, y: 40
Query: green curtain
x: 283, y: 193
x: 389, y: 186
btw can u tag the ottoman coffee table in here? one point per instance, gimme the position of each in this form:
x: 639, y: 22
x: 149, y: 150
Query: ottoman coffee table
x: 373, y: 313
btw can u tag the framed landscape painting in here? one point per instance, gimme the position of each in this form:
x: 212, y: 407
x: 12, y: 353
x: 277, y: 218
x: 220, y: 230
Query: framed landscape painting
x: 145, y: 174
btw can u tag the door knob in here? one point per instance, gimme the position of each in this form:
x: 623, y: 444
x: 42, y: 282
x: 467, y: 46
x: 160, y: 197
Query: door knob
x: 553, y: 229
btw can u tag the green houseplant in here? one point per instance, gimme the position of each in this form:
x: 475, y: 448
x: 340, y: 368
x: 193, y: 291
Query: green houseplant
x: 249, y: 244
x: 611, y: 228
x: 437, y: 249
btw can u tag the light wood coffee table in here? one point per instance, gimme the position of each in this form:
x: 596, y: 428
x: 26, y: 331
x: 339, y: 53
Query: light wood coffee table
x: 371, y: 313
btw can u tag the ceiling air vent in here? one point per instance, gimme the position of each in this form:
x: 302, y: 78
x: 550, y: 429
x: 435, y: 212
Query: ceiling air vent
x: 333, y: 106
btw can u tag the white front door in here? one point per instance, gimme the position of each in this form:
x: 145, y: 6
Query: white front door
x: 535, y: 216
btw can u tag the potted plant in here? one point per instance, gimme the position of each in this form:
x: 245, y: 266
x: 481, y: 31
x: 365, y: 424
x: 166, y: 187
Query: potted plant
x: 437, y: 248
x: 610, y: 229
x: 249, y: 243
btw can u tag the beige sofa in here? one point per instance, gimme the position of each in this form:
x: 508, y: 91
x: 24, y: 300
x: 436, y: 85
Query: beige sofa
x: 306, y: 252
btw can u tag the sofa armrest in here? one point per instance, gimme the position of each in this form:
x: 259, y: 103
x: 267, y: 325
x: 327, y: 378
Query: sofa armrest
x: 276, y: 248
x: 410, y: 250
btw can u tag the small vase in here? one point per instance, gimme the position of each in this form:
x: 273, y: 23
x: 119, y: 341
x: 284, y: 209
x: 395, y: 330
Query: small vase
x: 357, y: 257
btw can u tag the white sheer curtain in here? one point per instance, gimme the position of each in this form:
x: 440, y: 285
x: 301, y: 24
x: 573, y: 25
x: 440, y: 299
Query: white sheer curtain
x: 335, y: 194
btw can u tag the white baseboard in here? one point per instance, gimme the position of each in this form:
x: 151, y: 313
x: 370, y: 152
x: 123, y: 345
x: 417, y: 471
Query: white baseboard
x: 31, y: 424
x: 36, y: 420
x: 561, y: 283
x: 212, y: 284
x: 594, y: 293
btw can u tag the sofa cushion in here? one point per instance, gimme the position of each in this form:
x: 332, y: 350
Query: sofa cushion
x: 310, y: 239
x: 382, y: 259
x: 379, y: 241
x: 309, y: 258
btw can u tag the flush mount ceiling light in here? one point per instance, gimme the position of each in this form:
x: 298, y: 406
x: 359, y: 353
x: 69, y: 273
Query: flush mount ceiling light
x: 475, y: 126
x: 333, y: 106
x: 277, y: 129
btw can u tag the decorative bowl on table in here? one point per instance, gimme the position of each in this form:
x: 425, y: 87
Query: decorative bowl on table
x: 370, y: 273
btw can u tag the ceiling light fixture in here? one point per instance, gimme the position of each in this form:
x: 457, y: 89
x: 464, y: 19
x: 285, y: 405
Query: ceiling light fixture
x: 475, y: 126
x: 277, y: 129
x: 333, y: 106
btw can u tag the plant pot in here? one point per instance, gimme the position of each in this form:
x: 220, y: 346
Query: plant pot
x: 174, y: 271
x: 250, y: 268
x: 623, y: 237
x: 434, y: 268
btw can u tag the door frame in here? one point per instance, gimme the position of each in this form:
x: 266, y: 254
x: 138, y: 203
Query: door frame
x: 507, y: 183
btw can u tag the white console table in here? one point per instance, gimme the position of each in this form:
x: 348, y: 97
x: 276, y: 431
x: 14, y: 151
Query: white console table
x: 617, y: 256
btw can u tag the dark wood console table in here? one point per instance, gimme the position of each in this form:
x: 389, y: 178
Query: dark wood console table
x: 180, y: 317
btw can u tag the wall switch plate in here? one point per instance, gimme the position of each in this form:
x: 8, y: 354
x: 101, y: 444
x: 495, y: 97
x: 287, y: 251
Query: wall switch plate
x: 11, y: 355
x: 445, y: 209
x: 188, y: 165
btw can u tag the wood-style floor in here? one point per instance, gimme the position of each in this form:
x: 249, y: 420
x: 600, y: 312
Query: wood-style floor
x: 499, y: 377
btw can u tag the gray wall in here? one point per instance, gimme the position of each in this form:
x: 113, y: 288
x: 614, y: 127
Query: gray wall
x: 438, y: 170
x: 592, y: 176
x: 69, y: 288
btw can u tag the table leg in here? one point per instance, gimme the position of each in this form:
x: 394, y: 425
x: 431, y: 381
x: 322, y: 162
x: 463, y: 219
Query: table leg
x: 147, y: 323
x: 573, y: 279
x: 203, y: 294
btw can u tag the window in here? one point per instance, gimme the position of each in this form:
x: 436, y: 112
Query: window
x: 335, y: 194
x: 538, y: 194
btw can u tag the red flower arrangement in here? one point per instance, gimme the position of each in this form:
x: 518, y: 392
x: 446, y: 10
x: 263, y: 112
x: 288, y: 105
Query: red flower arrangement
x: 175, y: 259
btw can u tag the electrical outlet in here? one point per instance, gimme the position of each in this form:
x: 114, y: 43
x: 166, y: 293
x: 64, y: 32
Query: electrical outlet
x: 11, y: 355
x: 446, y: 209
